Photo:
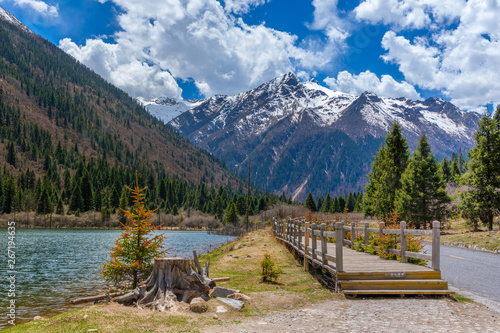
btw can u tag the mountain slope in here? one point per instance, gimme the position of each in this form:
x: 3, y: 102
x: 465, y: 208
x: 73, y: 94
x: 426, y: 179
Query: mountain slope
x: 304, y: 137
x: 48, y: 99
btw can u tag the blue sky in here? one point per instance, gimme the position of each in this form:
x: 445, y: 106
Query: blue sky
x: 196, y: 48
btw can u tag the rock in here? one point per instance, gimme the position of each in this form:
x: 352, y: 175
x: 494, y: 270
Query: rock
x: 237, y: 305
x: 239, y: 296
x: 92, y: 330
x: 38, y: 318
x: 222, y: 292
x: 198, y: 305
x: 85, y: 316
x: 215, y: 317
x: 221, y: 309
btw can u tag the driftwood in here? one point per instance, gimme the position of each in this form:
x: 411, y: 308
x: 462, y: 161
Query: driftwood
x: 172, y: 280
x: 96, y: 298
x: 220, y: 279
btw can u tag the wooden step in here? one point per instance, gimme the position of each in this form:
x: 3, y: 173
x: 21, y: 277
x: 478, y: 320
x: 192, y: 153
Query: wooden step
x: 394, y: 285
x: 433, y: 275
x: 397, y: 292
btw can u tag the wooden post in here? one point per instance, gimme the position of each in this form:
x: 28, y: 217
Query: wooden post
x: 284, y: 229
x: 299, y: 234
x: 353, y: 236
x: 381, y: 226
x: 323, y: 244
x: 367, y: 234
x: 403, y: 241
x: 339, y: 246
x: 436, y: 235
x: 306, y: 244
x: 314, y: 240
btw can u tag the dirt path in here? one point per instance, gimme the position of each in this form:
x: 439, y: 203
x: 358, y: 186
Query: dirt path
x: 375, y: 315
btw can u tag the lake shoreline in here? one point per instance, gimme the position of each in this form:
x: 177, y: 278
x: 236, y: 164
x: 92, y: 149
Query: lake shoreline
x: 46, y: 267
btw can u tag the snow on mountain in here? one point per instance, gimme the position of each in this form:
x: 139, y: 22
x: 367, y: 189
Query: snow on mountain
x: 166, y: 108
x: 6, y: 16
x: 304, y: 137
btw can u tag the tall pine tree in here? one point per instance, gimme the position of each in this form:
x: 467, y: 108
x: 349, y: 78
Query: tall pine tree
x: 384, y: 178
x: 422, y: 197
x: 479, y: 203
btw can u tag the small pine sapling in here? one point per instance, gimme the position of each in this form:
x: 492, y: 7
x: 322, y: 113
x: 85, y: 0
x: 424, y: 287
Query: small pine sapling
x: 269, y: 272
x: 133, y: 256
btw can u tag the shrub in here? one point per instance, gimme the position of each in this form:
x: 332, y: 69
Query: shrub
x: 269, y: 272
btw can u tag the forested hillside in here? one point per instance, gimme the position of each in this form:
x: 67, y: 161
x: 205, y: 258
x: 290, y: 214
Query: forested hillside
x: 69, y: 139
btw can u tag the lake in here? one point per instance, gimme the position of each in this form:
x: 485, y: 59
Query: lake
x: 55, y: 265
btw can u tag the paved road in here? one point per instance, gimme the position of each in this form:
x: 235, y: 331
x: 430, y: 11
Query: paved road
x: 474, y: 271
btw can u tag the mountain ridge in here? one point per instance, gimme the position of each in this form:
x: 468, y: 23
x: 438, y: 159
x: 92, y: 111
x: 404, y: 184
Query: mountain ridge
x: 274, y: 120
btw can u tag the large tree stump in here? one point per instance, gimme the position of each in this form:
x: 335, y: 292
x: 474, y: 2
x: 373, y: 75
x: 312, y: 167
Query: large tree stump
x: 172, y: 280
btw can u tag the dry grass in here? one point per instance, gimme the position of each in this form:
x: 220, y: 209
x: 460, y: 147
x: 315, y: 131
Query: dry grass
x: 457, y: 231
x: 240, y: 260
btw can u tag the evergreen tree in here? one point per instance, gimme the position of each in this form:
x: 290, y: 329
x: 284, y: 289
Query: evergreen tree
x: 218, y: 208
x: 175, y: 210
x: 445, y: 170
x: 422, y: 197
x: 310, y: 203
x: 60, y: 207
x: 133, y: 256
x: 87, y: 193
x: 9, y: 192
x: 319, y: 204
x: 455, y: 169
x: 44, y: 206
x: 11, y: 154
x: 327, y: 206
x: 123, y: 206
x: 350, y: 202
x: 76, y: 200
x: 479, y: 202
x: 385, y: 177
x: 231, y: 214
x: 241, y: 205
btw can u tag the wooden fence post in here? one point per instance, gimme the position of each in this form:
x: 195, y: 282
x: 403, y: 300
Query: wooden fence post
x: 367, y: 234
x: 381, y: 226
x: 339, y: 246
x: 353, y: 235
x: 436, y: 235
x: 314, y: 240
x: 299, y: 234
x: 323, y: 244
x: 306, y: 244
x: 403, y: 241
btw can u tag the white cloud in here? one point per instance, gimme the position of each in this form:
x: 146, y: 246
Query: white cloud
x: 39, y: 6
x: 199, y: 39
x: 416, y: 14
x: 367, y: 81
x: 242, y: 6
x: 464, y: 62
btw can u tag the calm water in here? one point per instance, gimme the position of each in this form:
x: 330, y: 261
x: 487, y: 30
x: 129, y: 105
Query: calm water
x: 54, y: 266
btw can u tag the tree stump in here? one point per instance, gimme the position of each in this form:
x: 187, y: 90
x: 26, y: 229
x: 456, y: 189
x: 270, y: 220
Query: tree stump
x: 172, y: 280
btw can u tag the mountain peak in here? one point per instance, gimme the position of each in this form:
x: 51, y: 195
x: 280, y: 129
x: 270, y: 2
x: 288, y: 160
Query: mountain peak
x: 290, y: 79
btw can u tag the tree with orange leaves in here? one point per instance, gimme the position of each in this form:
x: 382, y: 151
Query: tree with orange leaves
x: 134, y: 252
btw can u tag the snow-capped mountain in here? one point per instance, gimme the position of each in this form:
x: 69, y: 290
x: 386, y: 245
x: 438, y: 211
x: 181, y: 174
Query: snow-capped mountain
x: 304, y: 137
x: 166, y: 108
x: 6, y: 16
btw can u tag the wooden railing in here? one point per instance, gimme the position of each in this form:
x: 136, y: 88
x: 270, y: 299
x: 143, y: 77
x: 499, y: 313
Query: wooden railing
x: 293, y: 231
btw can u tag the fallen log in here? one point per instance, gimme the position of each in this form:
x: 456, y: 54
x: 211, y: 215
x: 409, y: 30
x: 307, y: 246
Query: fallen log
x: 221, y: 279
x: 96, y: 298
x: 172, y: 280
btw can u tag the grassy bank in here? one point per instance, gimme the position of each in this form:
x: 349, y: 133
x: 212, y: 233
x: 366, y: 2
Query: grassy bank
x: 239, y: 260
x: 457, y: 231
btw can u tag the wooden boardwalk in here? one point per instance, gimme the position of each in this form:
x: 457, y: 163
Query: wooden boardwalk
x: 356, y: 272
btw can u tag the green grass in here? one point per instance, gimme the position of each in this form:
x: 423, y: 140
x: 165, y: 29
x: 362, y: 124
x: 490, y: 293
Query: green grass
x: 239, y: 260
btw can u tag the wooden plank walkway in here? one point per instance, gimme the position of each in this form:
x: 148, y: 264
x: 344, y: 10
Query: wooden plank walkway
x: 361, y: 273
